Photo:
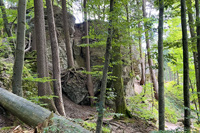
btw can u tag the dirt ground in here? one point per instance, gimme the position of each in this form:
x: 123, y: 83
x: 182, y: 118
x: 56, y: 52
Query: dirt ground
x: 133, y: 125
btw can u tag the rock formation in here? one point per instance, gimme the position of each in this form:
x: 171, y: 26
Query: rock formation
x: 73, y: 81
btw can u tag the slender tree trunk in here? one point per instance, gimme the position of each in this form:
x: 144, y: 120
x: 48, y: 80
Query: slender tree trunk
x: 6, y: 26
x: 55, y: 59
x: 153, y: 77
x: 130, y: 45
x: 5, y: 19
x: 43, y: 88
x: 120, y: 100
x: 194, y: 101
x: 19, y: 52
x: 70, y: 58
x: 142, y: 81
x: 185, y: 67
x: 40, y: 42
x: 118, y: 85
x: 104, y: 8
x: 105, y: 70
x: 89, y: 77
x: 196, y: 58
x: 161, y: 100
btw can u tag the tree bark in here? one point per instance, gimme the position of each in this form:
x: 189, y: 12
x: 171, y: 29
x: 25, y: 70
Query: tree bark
x: 105, y: 70
x: 70, y: 58
x: 19, y: 52
x: 31, y: 113
x: 153, y: 77
x: 130, y: 45
x: 185, y: 67
x: 42, y: 68
x: 55, y: 59
x: 89, y: 77
x: 161, y: 100
x: 191, y: 22
x: 118, y: 86
x: 142, y: 81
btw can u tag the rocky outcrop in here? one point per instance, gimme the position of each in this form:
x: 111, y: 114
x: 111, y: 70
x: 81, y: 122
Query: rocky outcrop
x: 74, y: 85
x: 73, y: 81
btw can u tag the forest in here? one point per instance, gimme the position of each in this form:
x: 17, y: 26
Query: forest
x: 104, y: 66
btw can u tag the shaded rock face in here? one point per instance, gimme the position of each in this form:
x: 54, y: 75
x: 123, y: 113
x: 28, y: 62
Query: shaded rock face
x: 96, y: 52
x: 60, y: 34
x: 73, y: 82
x: 74, y: 85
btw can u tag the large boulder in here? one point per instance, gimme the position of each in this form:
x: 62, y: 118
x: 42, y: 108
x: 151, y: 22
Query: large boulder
x: 74, y: 85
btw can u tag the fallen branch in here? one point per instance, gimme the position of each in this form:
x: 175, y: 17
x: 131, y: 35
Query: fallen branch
x: 33, y: 114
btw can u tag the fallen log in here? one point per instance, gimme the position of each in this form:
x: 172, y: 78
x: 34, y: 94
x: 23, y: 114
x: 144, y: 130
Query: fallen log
x: 33, y: 114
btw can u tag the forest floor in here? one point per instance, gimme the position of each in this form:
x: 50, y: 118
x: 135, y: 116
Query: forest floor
x: 171, y: 126
x: 87, y: 114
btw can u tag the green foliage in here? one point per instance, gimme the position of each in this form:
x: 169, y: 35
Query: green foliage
x: 42, y: 80
x: 4, y: 49
x: 6, y: 71
x: 170, y: 112
x: 140, y: 105
x: 174, y: 90
x: 5, y: 128
x: 60, y: 125
x: 92, y: 127
x: 110, y: 95
x: 38, y: 99
x: 173, y: 101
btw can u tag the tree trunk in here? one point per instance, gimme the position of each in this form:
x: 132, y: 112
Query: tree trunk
x: 185, y: 67
x: 130, y: 45
x: 89, y: 77
x: 19, y: 52
x: 192, y: 33
x: 43, y: 88
x: 33, y: 114
x: 55, y: 59
x: 161, y: 100
x: 194, y: 101
x: 118, y: 86
x: 153, y: 77
x: 142, y: 81
x: 118, y: 83
x: 6, y: 26
x: 105, y: 70
x: 70, y: 58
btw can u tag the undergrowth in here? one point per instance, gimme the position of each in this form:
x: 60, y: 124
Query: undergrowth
x: 144, y: 105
